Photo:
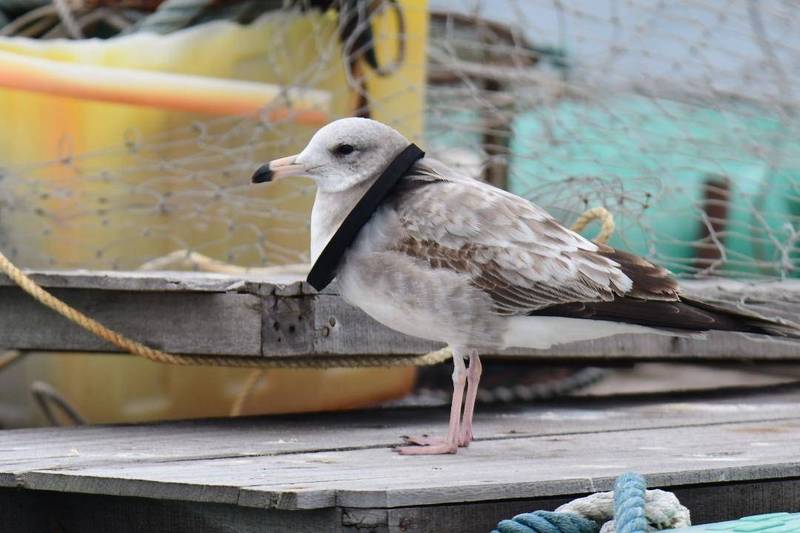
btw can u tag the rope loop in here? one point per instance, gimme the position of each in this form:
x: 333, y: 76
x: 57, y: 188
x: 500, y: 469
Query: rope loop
x: 606, y: 219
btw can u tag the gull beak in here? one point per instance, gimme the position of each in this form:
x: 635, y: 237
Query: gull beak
x: 278, y: 169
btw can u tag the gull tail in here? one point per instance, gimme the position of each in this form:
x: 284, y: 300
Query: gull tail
x: 736, y: 318
x: 575, y: 321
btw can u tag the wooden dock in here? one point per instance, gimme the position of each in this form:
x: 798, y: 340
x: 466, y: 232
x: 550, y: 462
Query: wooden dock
x: 725, y: 454
x: 196, y: 313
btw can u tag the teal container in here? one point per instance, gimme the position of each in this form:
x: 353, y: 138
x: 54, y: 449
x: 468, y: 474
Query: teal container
x: 446, y: 129
x: 647, y: 160
x: 766, y: 523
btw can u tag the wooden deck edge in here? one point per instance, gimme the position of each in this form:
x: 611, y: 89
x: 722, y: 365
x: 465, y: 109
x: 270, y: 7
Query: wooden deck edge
x: 299, y: 500
x: 34, y: 511
x: 215, y: 314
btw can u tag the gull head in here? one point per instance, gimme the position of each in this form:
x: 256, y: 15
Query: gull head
x: 341, y: 155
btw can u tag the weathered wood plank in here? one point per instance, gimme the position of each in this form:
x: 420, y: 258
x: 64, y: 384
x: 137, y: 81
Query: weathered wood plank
x: 288, y: 326
x: 215, y: 314
x: 339, y: 327
x: 167, y: 281
x: 138, y: 281
x: 37, y: 512
x: 30, y: 449
x: 322, y: 461
x: 186, y: 322
x: 528, y: 467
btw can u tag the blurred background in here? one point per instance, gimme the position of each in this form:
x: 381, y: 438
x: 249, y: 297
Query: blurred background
x: 130, y: 129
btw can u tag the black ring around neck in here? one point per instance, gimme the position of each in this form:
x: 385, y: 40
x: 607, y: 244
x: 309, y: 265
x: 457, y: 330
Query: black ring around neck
x: 324, y: 269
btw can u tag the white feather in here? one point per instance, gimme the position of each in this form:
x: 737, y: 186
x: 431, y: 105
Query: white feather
x: 542, y: 332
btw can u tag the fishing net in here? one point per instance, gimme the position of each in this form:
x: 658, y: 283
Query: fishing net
x: 680, y: 118
x: 106, y: 186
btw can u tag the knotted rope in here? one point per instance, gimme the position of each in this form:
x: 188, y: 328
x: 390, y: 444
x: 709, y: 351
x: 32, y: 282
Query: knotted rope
x: 630, y: 508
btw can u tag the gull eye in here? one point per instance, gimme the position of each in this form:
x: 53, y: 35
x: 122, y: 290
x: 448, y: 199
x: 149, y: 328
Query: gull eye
x: 344, y: 149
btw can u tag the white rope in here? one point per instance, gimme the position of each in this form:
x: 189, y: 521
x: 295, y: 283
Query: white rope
x: 662, y: 510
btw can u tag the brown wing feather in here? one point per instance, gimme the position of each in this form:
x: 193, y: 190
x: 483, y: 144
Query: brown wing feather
x: 652, y: 313
x: 650, y: 282
x: 511, y: 249
x: 509, y: 298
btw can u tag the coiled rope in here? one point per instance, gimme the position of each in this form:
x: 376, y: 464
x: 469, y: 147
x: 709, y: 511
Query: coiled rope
x: 137, y: 348
x: 547, y: 522
x: 630, y: 508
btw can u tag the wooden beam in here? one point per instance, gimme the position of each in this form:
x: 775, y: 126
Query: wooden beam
x: 208, y: 323
x: 217, y: 314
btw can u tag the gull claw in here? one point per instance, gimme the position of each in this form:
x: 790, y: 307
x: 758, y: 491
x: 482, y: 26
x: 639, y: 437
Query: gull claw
x: 423, y: 440
x: 433, y: 449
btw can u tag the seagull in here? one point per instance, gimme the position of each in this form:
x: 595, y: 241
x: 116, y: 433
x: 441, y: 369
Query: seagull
x: 451, y: 259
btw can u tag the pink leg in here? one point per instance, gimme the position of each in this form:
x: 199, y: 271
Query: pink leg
x: 473, y: 378
x: 449, y: 444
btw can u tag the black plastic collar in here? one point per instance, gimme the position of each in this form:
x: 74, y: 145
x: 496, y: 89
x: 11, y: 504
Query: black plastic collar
x: 324, y: 269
